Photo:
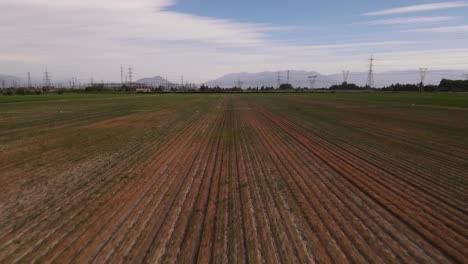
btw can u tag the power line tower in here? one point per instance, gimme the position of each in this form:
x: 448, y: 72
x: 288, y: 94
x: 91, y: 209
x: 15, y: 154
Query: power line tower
x: 345, y: 76
x: 182, y: 81
x: 121, y: 75
x: 287, y: 79
x: 422, y: 73
x: 166, y: 84
x: 466, y: 76
x: 29, y: 80
x: 240, y: 83
x: 47, y: 82
x: 370, y: 76
x: 130, y: 74
x: 3, y: 84
x: 312, y: 80
x: 278, y: 80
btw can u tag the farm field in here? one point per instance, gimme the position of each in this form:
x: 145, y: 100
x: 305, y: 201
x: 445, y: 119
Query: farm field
x: 234, y: 178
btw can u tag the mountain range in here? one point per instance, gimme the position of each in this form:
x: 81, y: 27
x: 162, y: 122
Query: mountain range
x: 301, y: 78
x: 154, y: 81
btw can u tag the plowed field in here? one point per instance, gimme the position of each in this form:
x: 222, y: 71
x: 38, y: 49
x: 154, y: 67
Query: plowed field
x: 278, y: 178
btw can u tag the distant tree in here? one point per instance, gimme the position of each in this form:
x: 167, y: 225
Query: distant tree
x: 286, y: 86
x: 453, y: 85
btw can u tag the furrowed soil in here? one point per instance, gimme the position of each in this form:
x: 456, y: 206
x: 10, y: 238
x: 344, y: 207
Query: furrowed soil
x: 234, y: 178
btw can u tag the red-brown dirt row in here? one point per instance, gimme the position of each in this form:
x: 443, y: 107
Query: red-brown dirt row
x: 429, y: 223
x: 236, y: 179
x: 92, y: 182
x: 404, y: 170
x: 84, y: 192
x: 101, y: 216
x: 369, y: 236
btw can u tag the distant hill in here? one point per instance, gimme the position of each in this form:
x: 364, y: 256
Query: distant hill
x: 300, y: 78
x: 297, y: 79
x: 154, y: 81
x: 9, y: 80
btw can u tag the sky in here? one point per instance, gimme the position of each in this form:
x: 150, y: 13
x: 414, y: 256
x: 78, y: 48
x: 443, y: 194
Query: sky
x: 205, y: 39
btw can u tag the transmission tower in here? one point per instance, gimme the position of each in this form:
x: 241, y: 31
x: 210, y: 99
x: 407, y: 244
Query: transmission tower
x: 239, y: 83
x: 312, y: 80
x: 29, y: 80
x: 278, y: 80
x: 121, y: 75
x: 47, y: 82
x: 345, y: 76
x: 370, y: 76
x: 182, y: 80
x: 3, y: 84
x: 130, y: 74
x: 287, y: 79
x: 466, y: 76
x: 422, y: 73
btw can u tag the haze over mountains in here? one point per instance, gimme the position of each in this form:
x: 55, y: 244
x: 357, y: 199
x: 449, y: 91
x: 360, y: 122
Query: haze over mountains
x: 9, y: 81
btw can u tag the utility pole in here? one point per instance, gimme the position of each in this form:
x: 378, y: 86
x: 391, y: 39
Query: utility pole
x: 370, y: 76
x: 312, y: 80
x: 345, y: 76
x: 29, y: 80
x: 279, y: 80
x: 422, y: 73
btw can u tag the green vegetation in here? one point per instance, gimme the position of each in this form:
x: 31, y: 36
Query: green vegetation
x: 407, y: 98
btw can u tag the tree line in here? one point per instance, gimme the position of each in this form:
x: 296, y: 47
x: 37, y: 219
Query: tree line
x: 445, y: 85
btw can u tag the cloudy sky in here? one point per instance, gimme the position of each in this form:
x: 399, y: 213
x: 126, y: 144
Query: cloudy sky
x: 204, y: 39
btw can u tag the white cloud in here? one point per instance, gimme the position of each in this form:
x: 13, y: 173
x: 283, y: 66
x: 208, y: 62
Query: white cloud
x: 450, y: 29
x: 125, y: 19
x: 92, y: 38
x: 418, y: 8
x: 410, y: 20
